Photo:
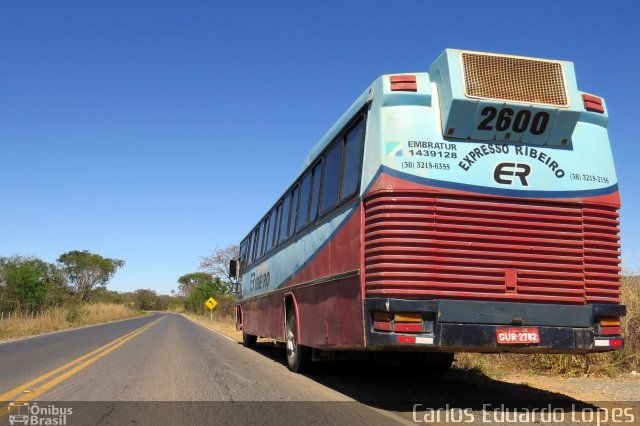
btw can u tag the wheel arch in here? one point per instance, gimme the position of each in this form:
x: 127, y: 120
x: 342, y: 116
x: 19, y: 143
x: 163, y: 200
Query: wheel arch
x: 239, y: 317
x: 290, y: 302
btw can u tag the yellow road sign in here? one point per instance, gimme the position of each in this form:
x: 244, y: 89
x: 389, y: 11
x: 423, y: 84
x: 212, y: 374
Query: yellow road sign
x: 211, y: 303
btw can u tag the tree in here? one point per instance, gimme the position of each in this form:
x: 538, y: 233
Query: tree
x: 87, y: 271
x: 188, y: 282
x: 29, y: 283
x: 200, y: 292
x: 217, y: 263
x: 146, y: 299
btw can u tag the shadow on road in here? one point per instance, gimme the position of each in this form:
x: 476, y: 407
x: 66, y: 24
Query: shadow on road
x: 393, y: 387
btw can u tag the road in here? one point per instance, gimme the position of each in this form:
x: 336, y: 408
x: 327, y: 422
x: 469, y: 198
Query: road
x: 166, y: 369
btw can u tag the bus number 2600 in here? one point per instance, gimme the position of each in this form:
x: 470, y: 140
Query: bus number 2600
x: 507, y: 119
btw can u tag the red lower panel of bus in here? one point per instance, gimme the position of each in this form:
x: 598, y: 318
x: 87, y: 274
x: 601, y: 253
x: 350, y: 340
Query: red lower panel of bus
x: 330, y: 314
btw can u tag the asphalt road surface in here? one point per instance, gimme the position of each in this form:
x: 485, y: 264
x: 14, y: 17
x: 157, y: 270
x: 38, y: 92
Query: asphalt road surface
x: 166, y: 369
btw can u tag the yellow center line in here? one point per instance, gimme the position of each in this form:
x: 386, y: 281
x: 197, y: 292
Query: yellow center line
x: 88, y: 359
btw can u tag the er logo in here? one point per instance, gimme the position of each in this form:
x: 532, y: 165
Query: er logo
x: 505, y: 173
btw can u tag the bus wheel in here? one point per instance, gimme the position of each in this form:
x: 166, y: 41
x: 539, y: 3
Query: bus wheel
x: 298, y: 356
x: 249, y: 340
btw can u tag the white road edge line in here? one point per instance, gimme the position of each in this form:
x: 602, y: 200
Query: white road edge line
x: 19, y: 339
x: 387, y: 414
x: 210, y: 329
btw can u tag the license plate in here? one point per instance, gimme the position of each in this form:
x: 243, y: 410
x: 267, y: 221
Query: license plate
x: 517, y: 336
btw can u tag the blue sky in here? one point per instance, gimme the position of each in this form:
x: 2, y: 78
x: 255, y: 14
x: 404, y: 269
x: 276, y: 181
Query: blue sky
x: 155, y: 131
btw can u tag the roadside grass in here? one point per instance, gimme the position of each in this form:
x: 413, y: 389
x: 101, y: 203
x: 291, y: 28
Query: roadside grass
x: 22, y: 324
x: 176, y: 309
x: 609, y: 364
x: 222, y: 324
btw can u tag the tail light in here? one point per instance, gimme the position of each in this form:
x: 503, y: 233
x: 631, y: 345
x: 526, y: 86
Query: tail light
x: 402, y: 323
x: 592, y: 103
x: 407, y: 323
x: 610, y: 326
x: 610, y: 322
x: 382, y: 321
x: 411, y: 327
x: 610, y: 331
x: 407, y: 317
x: 404, y: 83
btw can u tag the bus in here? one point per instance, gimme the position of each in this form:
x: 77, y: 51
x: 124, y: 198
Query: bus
x: 473, y: 208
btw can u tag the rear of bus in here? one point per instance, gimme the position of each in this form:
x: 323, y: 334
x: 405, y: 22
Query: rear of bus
x: 491, y: 204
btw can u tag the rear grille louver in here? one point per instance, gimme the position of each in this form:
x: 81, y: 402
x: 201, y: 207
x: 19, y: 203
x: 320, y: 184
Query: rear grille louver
x: 428, y: 246
x: 512, y: 78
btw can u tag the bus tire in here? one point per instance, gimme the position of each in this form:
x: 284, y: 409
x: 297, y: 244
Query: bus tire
x: 249, y: 340
x: 298, y: 356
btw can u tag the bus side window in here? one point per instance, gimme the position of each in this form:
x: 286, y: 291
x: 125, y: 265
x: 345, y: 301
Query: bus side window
x: 261, y: 240
x: 276, y: 225
x: 303, y: 210
x: 315, y: 193
x: 249, y: 249
x: 269, y: 235
x: 284, y: 220
x: 256, y: 240
x: 352, y: 161
x: 294, y: 210
x: 331, y: 177
x: 243, y: 256
x: 252, y: 246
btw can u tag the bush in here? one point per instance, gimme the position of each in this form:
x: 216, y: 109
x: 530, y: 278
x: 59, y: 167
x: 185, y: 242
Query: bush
x: 76, y: 314
x: 200, y: 292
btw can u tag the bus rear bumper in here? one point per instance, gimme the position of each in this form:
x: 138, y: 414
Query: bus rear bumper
x: 472, y: 326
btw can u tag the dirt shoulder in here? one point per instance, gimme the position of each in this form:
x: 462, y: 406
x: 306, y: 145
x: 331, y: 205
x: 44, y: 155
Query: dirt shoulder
x: 584, y: 388
x: 224, y: 327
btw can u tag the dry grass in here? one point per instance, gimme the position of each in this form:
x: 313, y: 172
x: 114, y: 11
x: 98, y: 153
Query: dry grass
x: 20, y: 324
x: 600, y: 364
x: 224, y: 325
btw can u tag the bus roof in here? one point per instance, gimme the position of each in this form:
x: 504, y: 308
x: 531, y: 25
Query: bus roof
x: 362, y: 100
